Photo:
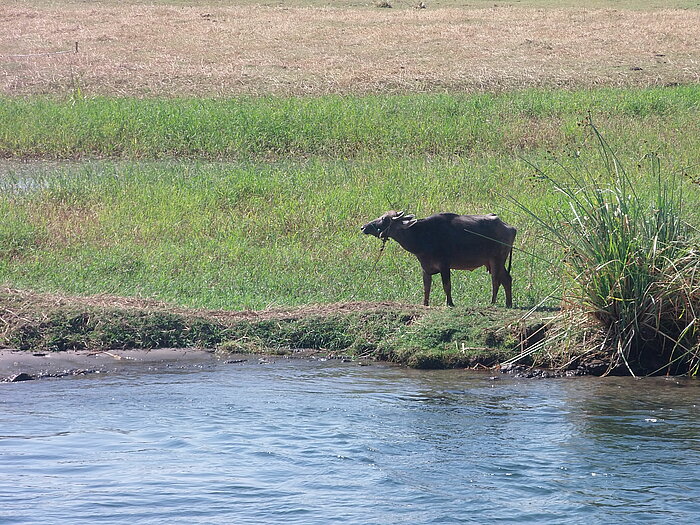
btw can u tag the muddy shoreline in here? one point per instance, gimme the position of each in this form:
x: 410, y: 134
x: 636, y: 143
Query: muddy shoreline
x: 19, y: 365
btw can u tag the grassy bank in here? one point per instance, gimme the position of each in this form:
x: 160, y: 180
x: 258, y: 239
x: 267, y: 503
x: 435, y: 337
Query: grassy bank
x: 256, y: 203
x: 409, y: 335
x: 344, y: 126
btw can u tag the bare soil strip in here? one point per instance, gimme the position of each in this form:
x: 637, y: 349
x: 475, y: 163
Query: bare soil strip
x: 224, y: 51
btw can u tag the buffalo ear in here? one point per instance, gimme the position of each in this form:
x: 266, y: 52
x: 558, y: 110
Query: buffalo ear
x: 409, y: 223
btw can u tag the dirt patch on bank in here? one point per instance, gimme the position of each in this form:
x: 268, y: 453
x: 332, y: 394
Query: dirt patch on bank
x: 223, y: 51
x: 18, y: 306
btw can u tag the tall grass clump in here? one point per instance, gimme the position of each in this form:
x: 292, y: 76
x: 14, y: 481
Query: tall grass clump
x: 633, y: 260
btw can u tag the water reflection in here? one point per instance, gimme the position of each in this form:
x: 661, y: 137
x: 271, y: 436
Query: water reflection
x: 652, y: 408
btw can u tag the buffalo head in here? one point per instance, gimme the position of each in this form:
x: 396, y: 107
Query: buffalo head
x: 381, y: 226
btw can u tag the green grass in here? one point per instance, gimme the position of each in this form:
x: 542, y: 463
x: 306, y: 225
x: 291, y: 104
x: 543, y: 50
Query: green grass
x: 250, y: 203
x: 276, y: 220
x: 230, y: 235
x: 341, y: 126
x: 444, y: 340
x: 235, y: 235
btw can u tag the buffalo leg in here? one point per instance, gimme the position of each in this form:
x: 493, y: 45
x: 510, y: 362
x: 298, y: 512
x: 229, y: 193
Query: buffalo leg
x: 447, y: 285
x: 427, y: 282
x: 495, y: 283
x: 507, y: 282
x: 498, y: 278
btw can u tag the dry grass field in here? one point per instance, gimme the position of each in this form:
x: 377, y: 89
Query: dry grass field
x: 191, y: 48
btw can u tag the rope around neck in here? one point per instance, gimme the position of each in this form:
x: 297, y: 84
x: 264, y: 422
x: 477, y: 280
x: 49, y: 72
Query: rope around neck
x: 374, y: 267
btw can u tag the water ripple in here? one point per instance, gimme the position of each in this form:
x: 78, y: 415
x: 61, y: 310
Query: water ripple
x: 303, y: 442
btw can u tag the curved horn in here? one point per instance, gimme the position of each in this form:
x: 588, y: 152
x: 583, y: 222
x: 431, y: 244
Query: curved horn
x: 397, y: 216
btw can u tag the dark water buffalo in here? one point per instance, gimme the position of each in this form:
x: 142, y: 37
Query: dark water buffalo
x: 447, y: 241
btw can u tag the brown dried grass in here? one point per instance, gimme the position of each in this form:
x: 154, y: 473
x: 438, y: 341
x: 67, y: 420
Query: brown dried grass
x: 22, y: 306
x: 63, y: 225
x: 222, y: 51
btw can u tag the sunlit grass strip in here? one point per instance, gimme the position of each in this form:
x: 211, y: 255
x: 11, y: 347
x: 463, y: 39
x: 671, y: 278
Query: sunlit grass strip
x: 634, y: 261
x: 337, y: 126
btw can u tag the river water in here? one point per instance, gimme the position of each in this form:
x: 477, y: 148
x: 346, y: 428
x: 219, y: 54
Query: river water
x: 302, y: 441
